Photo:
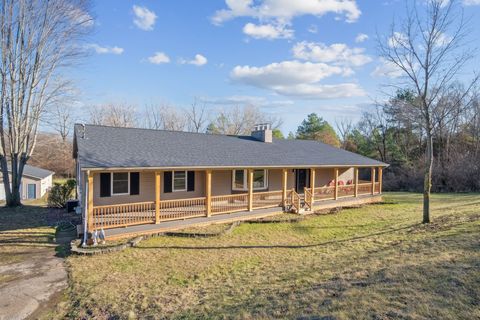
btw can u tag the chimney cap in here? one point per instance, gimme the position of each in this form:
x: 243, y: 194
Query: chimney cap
x: 262, y: 126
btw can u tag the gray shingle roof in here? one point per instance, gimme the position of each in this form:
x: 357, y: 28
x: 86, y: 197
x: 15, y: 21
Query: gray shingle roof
x: 112, y: 147
x: 35, y: 172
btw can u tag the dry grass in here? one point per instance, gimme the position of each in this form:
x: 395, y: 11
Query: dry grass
x: 374, y: 262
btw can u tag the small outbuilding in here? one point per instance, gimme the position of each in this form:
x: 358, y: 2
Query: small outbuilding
x: 35, y: 183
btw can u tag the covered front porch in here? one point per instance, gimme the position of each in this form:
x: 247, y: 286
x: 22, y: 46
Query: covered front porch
x: 210, y: 196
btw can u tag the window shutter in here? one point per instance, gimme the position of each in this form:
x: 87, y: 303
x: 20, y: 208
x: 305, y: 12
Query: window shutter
x: 105, y: 181
x: 167, y: 181
x: 190, y: 180
x: 134, y: 183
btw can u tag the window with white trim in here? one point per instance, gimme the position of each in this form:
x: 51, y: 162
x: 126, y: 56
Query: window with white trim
x: 179, y: 181
x: 240, y: 180
x: 120, y: 183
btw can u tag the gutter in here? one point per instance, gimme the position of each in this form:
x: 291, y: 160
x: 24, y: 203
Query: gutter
x: 299, y: 166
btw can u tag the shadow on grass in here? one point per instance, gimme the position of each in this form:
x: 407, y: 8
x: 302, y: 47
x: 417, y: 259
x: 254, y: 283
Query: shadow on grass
x: 23, y: 217
x: 282, y: 246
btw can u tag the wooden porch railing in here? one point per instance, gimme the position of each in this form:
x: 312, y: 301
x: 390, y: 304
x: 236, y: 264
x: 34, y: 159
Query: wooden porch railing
x: 182, y: 209
x: 295, y: 201
x: 268, y: 199
x: 121, y: 215
x: 346, y: 190
x: 307, y: 192
x: 324, y: 193
x: 365, y: 188
x: 229, y: 203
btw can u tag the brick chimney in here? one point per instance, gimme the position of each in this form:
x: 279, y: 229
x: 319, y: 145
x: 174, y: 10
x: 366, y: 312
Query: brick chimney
x: 263, y: 132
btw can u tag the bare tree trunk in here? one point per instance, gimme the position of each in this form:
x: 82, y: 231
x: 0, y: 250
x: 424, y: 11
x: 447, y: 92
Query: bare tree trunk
x: 427, y: 182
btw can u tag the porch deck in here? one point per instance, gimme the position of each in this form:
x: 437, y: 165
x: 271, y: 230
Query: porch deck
x: 166, y: 226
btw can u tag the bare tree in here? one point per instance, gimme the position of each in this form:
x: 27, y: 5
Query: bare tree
x: 38, y: 39
x: 344, y: 128
x: 241, y: 120
x: 197, y: 117
x: 165, y: 117
x: 115, y: 115
x: 61, y: 119
x: 429, y: 49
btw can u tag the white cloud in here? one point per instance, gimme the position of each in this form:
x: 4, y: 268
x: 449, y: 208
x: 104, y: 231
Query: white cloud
x: 361, y: 37
x: 105, y: 50
x: 144, y: 18
x: 268, y: 31
x: 471, y: 2
x: 337, y: 53
x: 387, y: 69
x: 198, y: 60
x: 238, y: 100
x: 295, y: 78
x: 286, y: 9
x: 159, y: 58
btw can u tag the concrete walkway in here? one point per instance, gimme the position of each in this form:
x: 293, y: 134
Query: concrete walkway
x: 34, y: 282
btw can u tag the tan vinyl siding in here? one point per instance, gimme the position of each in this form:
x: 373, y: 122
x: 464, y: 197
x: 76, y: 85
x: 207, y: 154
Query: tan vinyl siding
x: 221, y: 182
x: 275, y: 179
x: 324, y: 176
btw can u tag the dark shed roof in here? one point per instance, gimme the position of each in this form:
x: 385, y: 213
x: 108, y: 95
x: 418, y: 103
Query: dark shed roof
x: 35, y: 172
x: 113, y: 147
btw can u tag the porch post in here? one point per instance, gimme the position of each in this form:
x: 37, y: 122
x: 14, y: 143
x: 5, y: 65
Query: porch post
x: 284, y: 186
x: 336, y: 183
x: 208, y: 192
x: 373, y: 179
x: 90, y: 202
x: 312, y: 186
x: 250, y: 190
x: 157, y: 196
x: 380, y: 178
x: 355, y: 181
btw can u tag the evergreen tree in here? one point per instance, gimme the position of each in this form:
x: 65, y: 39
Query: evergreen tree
x: 315, y: 128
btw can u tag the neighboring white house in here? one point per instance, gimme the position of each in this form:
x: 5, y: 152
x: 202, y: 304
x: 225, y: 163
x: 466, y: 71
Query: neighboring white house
x: 35, y: 183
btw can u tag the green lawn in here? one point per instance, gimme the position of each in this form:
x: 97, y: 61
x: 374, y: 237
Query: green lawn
x: 375, y: 262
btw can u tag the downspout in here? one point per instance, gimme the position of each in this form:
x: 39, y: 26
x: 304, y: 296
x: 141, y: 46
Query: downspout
x: 85, y: 215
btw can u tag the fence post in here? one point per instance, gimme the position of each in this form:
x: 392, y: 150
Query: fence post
x: 208, y: 192
x: 312, y: 188
x: 380, y: 179
x: 284, y: 187
x: 157, y: 196
x: 373, y: 180
x: 250, y: 190
x: 336, y: 183
x: 90, y: 202
x: 356, y: 182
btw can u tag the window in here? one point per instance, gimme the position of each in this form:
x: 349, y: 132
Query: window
x: 179, y: 181
x: 259, y: 179
x: 120, y: 183
x: 240, y: 180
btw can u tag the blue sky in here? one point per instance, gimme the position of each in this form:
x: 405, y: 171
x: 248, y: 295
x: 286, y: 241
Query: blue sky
x: 294, y: 58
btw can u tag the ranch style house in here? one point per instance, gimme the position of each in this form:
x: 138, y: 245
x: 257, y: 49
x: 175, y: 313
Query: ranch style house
x: 133, y: 181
